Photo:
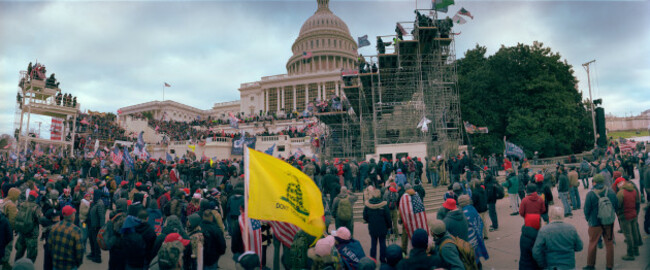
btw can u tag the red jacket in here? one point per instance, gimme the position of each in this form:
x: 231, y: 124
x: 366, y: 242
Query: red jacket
x: 628, y: 199
x: 532, y: 204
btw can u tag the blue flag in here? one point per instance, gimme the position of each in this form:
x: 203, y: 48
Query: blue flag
x: 169, y: 158
x: 363, y: 41
x: 270, y: 150
x: 128, y: 161
x: 514, y: 150
x: 140, y: 143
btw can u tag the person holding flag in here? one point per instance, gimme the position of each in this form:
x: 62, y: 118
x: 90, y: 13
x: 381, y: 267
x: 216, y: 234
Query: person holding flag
x: 412, y: 213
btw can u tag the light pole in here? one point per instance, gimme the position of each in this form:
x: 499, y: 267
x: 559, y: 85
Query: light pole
x: 591, y: 101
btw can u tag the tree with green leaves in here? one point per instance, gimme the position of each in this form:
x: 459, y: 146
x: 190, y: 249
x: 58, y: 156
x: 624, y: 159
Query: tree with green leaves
x: 528, y: 94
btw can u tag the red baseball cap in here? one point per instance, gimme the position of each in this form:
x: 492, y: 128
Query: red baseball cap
x: 176, y: 237
x: 450, y: 204
x: 68, y: 210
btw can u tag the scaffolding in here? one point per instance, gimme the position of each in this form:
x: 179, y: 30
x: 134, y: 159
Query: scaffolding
x: 38, y: 96
x: 414, y: 80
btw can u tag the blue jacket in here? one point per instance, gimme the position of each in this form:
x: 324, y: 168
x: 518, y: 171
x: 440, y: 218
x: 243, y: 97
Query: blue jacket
x: 400, y: 178
x: 556, y: 246
x: 351, y: 252
x: 591, y: 203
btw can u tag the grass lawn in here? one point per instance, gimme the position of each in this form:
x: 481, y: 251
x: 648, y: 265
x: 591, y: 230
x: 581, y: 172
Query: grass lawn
x: 627, y: 133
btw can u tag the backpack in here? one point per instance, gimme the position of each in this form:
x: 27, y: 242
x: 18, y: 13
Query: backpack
x: 107, y: 235
x: 170, y: 254
x: 465, y: 252
x: 25, y: 218
x: 393, y: 200
x: 344, y: 211
x: 175, y: 207
x: 500, y: 191
x: 606, y: 213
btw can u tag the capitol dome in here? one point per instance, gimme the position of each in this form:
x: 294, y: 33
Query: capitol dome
x: 324, y: 44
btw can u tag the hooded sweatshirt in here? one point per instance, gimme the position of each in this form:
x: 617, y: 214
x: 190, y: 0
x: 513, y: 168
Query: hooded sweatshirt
x: 172, y: 225
x: 457, y: 224
x: 532, y: 204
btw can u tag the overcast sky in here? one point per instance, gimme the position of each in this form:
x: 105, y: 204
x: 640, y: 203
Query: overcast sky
x: 115, y: 54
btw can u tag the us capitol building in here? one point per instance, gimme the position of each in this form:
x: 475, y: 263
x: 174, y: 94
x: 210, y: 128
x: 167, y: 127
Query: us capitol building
x: 318, y: 77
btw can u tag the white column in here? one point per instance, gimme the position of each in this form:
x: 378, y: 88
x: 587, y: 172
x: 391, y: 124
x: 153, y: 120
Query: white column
x: 294, y: 97
x: 327, y: 63
x: 338, y: 93
x: 282, y: 100
x: 306, y: 95
x: 320, y: 92
x: 278, y: 101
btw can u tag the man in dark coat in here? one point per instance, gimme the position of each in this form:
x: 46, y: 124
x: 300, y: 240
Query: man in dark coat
x: 96, y: 219
x: 214, y: 243
x: 377, y: 215
x: 529, y: 231
x: 479, y: 200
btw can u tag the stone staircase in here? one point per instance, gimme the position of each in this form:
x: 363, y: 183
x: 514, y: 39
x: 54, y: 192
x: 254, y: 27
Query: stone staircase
x: 432, y: 201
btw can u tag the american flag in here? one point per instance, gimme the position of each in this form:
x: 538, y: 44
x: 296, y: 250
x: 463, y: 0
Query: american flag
x: 254, y: 235
x: 411, y: 210
x: 116, y: 156
x: 284, y: 232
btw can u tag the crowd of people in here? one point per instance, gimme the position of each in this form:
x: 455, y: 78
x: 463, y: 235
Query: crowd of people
x: 100, y: 126
x: 179, y: 214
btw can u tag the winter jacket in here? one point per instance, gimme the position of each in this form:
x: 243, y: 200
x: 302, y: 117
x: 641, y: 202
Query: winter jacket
x: 591, y: 203
x: 447, y: 255
x: 556, y: 245
x: 400, y: 178
x: 377, y: 215
x: 418, y: 259
x: 134, y: 230
x: 97, y: 214
x: 351, y: 252
x: 532, y: 204
x: 628, y: 201
x: 573, y: 179
x: 491, y: 190
x: 563, y: 183
x: 343, y: 196
x: 10, y: 208
x: 214, y: 243
x: 420, y: 190
x: 6, y: 234
x: 512, y: 183
x: 480, y: 199
x: 456, y: 224
x: 233, y: 204
x: 526, y: 243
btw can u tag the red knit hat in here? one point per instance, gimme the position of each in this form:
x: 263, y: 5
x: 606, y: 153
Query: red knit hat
x: 533, y: 221
x: 539, y: 178
x: 449, y: 204
x: 618, y: 180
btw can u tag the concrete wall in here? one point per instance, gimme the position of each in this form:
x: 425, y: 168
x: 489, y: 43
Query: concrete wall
x: 412, y: 149
x: 627, y: 123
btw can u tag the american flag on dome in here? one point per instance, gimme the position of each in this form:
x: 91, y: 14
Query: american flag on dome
x: 284, y: 232
x: 306, y: 55
x: 254, y: 234
x: 411, y: 210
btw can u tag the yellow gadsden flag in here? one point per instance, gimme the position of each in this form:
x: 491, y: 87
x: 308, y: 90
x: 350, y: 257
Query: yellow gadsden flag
x: 192, y: 147
x: 279, y: 192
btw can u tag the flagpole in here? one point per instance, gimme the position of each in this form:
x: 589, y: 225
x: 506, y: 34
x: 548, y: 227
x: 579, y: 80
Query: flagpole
x: 246, y: 232
x: 163, y: 92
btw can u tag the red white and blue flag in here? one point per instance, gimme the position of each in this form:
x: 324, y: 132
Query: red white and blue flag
x: 254, y: 235
x: 284, y: 232
x: 116, y: 156
x: 411, y: 209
